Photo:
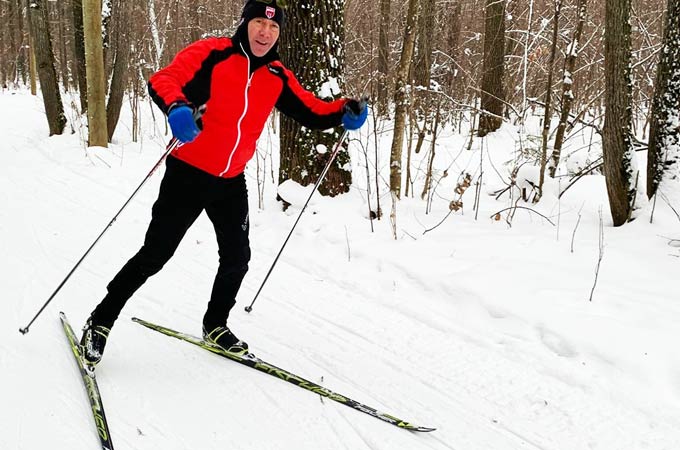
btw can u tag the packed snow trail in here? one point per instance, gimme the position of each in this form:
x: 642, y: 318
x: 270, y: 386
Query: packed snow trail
x: 481, y: 331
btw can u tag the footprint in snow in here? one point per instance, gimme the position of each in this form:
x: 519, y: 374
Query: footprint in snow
x: 555, y: 343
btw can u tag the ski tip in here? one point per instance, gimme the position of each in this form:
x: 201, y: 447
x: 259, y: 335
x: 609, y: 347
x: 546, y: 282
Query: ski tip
x: 415, y: 428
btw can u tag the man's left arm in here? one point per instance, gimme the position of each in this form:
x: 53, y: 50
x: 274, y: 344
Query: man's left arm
x: 303, y: 106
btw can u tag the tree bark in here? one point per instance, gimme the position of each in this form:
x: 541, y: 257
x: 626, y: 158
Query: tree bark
x: 664, y: 134
x: 9, y: 57
x: 63, y: 39
x: 49, y: 84
x: 96, y: 80
x: 319, y: 68
x: 426, y: 29
x: 79, y: 51
x: 617, y: 147
x: 22, y: 58
x: 121, y: 51
x: 568, y: 87
x: 455, y: 29
x: 401, y: 98
x: 492, y: 95
x: 383, y: 58
x: 548, y: 97
x: 32, y: 65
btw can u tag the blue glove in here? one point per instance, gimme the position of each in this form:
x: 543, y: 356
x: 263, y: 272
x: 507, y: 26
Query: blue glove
x: 182, y: 123
x: 355, y: 114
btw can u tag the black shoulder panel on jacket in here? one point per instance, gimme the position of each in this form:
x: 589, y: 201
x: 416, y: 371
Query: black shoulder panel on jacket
x: 197, y: 90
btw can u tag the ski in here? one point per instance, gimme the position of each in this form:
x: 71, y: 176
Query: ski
x: 91, y: 388
x: 256, y: 363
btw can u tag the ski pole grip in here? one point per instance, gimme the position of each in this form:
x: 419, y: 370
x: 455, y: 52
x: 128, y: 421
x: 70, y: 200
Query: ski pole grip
x: 198, y: 113
x: 364, y: 100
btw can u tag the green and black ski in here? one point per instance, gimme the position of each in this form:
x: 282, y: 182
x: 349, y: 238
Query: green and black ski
x: 256, y: 363
x: 91, y: 388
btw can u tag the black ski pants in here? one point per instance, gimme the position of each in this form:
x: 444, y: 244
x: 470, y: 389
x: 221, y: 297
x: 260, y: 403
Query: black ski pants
x: 184, y: 193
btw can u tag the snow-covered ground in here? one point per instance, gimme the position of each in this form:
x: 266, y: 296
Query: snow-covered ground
x: 480, y: 329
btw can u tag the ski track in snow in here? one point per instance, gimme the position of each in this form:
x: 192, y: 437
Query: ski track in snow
x: 438, y: 349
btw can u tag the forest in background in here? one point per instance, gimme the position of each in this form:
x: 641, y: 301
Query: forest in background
x: 426, y: 64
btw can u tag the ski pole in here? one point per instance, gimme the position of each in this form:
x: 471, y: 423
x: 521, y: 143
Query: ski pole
x: 173, y: 144
x: 318, y: 182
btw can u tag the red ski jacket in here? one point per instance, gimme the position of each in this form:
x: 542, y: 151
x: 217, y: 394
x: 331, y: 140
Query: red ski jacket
x: 217, y: 73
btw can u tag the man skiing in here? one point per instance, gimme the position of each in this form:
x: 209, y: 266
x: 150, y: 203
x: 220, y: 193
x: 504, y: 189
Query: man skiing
x: 237, y: 82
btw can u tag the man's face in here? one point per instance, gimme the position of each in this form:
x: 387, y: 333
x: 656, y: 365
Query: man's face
x: 262, y: 35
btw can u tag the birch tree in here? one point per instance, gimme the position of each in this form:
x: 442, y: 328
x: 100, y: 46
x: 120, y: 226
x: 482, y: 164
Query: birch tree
x: 158, y: 44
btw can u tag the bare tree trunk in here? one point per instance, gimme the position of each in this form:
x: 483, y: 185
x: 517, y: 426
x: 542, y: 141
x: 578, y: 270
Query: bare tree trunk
x: 63, y: 54
x: 32, y: 65
x: 617, y: 147
x: 548, y: 97
x: 401, y: 98
x: 492, y: 94
x: 9, y: 57
x: 426, y: 29
x: 383, y: 58
x: 454, y: 40
x: 4, y: 53
x: 664, y: 133
x: 430, y: 163
x: 121, y: 51
x: 96, y: 80
x: 568, y: 87
x: 195, y: 30
x: 49, y: 86
x: 79, y: 51
x: 307, y: 54
x: 22, y: 58
x: 158, y: 44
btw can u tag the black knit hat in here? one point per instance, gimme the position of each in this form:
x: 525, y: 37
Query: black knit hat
x: 269, y: 9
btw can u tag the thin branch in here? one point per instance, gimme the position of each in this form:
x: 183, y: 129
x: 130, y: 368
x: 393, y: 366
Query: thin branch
x: 601, y: 254
x: 573, y: 235
x: 522, y: 207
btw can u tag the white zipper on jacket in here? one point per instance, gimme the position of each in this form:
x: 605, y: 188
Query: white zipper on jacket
x: 245, y: 110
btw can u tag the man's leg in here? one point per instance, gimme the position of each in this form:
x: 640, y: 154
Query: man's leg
x: 229, y: 215
x: 178, y: 205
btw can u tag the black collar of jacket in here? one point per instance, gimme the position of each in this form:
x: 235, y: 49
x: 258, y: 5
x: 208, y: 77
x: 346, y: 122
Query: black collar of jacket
x: 241, y: 44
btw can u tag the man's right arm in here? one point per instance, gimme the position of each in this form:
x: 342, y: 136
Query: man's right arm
x: 186, y: 80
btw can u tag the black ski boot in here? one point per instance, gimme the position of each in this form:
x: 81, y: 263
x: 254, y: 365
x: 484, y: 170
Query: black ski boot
x: 93, y: 342
x: 225, y: 339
